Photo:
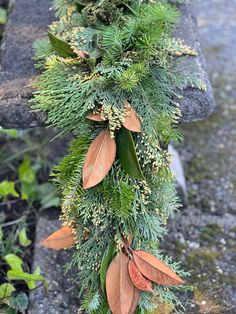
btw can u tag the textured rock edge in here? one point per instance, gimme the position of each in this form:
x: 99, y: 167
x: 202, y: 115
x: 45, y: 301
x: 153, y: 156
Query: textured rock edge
x: 17, y: 70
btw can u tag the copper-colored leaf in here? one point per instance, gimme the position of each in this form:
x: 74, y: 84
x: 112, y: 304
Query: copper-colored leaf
x: 119, y: 288
x: 99, y: 159
x: 135, y: 301
x: 94, y: 117
x: 132, y: 121
x: 155, y: 270
x: 60, y: 239
x: 137, y: 278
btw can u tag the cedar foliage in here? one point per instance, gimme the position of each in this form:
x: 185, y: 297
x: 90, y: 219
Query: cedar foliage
x: 125, y: 53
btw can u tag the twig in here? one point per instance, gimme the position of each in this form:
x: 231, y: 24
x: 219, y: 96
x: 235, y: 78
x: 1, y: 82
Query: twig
x: 13, y: 222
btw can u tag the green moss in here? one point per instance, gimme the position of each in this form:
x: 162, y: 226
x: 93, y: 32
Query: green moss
x: 210, y: 233
x: 233, y: 229
x: 202, y: 259
x: 207, y: 303
x: 233, y: 281
x: 179, y: 247
x: 213, y: 49
x: 227, y: 280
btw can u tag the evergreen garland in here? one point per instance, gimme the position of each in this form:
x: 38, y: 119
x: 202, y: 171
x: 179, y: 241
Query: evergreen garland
x: 106, y: 63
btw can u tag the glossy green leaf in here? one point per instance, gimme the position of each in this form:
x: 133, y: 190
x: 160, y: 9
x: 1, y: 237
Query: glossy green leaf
x: 14, y: 261
x: 23, y: 239
x: 30, y: 279
x: 9, y: 132
x: 106, y: 260
x: 27, y: 176
x: 8, y: 188
x: 19, y: 302
x: 26, y: 173
x: 6, y: 290
x: 127, y: 154
x: 61, y: 47
x: 105, y: 308
x: 3, y: 16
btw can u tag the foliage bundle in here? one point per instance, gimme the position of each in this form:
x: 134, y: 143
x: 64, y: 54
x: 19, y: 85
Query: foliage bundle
x: 109, y: 77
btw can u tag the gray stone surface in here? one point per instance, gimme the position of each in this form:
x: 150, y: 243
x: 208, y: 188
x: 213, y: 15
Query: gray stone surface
x: 62, y: 295
x: 196, y: 104
x: 28, y: 21
x: 203, y: 235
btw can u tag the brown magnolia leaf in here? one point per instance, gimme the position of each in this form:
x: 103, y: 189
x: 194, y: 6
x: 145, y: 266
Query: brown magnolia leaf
x: 119, y: 288
x: 138, y: 279
x: 135, y: 301
x: 99, y: 159
x: 132, y: 121
x: 60, y: 239
x: 94, y: 116
x: 155, y: 270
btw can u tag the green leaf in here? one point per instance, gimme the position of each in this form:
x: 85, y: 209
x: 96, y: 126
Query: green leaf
x: 8, y: 188
x: 14, y: 261
x: 26, y: 172
x: 105, y: 308
x: 28, y: 191
x: 9, y: 132
x: 127, y: 154
x: 95, y: 52
x: 47, y: 195
x: 107, y: 257
x: 23, y: 239
x: 7, y: 310
x: 90, y: 46
x: 6, y: 290
x: 30, y: 279
x: 3, y: 16
x: 19, y: 302
x: 61, y: 47
x: 27, y: 176
x: 1, y: 234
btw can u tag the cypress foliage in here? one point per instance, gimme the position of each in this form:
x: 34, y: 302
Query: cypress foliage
x: 101, y: 55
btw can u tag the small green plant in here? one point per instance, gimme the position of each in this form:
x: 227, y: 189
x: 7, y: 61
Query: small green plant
x: 3, y: 16
x: 21, y: 187
x: 13, y: 267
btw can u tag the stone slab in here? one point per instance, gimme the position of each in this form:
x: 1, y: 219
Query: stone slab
x: 196, y: 104
x: 62, y: 295
x: 28, y: 21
